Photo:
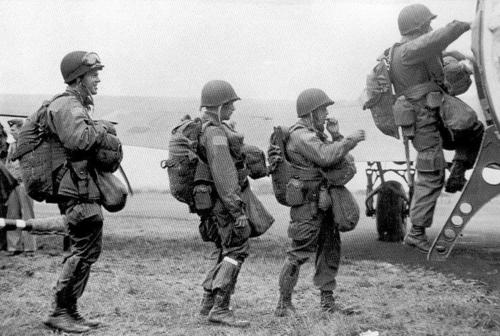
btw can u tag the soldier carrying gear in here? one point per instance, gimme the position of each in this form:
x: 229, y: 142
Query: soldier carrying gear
x: 313, y: 229
x: 74, y: 140
x: 226, y: 223
x: 429, y: 115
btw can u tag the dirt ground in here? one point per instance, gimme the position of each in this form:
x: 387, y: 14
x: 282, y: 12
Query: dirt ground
x: 147, y: 281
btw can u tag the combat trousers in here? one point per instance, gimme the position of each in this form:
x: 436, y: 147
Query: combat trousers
x: 314, y: 234
x: 428, y: 186
x: 233, y: 249
x: 466, y: 143
x: 20, y: 206
x: 85, y: 225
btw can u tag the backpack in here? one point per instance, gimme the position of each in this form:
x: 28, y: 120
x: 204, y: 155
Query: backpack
x: 36, y: 153
x: 183, y: 159
x: 280, y: 168
x: 380, y: 95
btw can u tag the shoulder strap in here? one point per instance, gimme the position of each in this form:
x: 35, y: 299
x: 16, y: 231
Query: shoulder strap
x: 390, y: 55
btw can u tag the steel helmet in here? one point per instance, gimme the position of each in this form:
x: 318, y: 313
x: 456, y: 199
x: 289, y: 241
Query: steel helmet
x: 216, y: 93
x: 311, y: 99
x: 78, y: 63
x: 412, y: 17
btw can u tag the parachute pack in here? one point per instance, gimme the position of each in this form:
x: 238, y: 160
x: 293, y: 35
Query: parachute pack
x: 35, y: 154
x: 380, y: 95
x: 280, y: 167
x: 183, y: 159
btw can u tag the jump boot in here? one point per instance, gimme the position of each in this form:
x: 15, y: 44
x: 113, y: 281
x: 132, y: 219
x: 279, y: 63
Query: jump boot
x: 75, y: 314
x: 288, y: 279
x: 207, y: 302
x: 220, y: 312
x: 328, y: 304
x: 417, y: 238
x: 60, y: 318
x: 456, y: 180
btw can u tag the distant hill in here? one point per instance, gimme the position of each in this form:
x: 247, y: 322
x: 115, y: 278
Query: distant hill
x: 147, y: 121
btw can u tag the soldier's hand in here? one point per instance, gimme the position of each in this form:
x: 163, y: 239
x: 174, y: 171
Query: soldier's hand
x: 332, y: 126
x: 241, y: 221
x: 108, y: 125
x: 273, y: 150
x: 358, y: 136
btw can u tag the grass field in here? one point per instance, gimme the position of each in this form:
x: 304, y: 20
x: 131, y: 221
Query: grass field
x: 148, y: 282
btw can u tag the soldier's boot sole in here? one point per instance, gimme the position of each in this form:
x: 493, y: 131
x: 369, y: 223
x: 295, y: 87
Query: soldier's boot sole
x: 227, y: 319
x: 88, y: 323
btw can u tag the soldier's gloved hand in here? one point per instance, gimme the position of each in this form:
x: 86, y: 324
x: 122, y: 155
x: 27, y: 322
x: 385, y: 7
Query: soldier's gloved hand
x: 241, y: 221
x: 332, y: 126
x: 274, y: 154
x: 358, y: 136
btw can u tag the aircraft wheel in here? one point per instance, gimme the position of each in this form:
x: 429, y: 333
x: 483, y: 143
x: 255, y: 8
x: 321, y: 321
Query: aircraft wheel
x: 390, y: 212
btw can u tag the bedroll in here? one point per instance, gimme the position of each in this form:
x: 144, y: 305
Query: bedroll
x: 380, y: 96
x: 183, y: 159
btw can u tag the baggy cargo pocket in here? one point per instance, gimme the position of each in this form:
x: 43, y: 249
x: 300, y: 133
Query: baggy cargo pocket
x: 404, y: 112
x: 430, y: 160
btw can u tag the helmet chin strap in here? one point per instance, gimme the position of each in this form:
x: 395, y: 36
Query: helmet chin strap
x: 311, y: 119
x: 219, y: 108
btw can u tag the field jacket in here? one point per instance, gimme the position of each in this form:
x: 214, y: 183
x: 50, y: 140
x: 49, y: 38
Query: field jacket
x: 221, y: 147
x: 308, y: 148
x: 77, y: 136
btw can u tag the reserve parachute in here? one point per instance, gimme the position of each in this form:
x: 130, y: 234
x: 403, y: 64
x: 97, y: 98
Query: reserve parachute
x: 380, y: 95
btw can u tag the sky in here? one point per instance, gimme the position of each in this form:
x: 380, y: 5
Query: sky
x: 270, y: 49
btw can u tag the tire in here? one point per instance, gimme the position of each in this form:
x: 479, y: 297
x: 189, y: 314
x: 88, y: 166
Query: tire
x: 390, y: 212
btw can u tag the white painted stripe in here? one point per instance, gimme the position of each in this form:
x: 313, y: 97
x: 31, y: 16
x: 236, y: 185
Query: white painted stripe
x: 2, y: 222
x: 20, y: 224
x: 230, y: 260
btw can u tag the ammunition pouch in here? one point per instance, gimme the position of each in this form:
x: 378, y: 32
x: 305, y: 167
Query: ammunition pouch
x: 80, y: 174
x: 303, y: 186
x: 203, y: 191
x: 404, y: 112
x: 295, y: 192
x: 203, y: 197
